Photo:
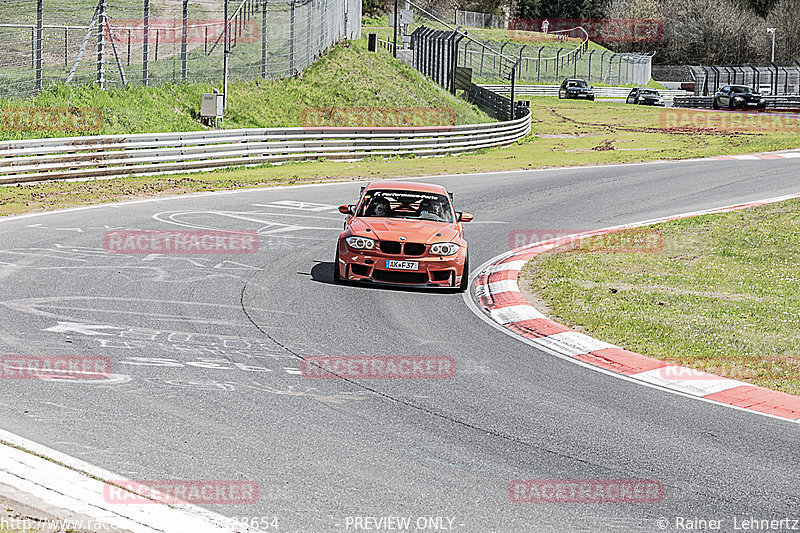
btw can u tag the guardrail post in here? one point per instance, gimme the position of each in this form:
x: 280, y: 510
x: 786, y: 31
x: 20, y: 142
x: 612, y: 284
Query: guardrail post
x: 591, y: 53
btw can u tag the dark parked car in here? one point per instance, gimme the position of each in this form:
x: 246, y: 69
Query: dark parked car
x: 738, y: 97
x: 644, y: 96
x: 575, y: 88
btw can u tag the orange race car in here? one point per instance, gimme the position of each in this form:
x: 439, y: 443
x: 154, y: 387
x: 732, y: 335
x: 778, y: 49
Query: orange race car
x: 403, y: 233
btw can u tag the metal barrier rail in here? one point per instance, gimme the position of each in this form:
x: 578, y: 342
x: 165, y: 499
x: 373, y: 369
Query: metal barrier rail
x: 707, y: 102
x: 703, y: 102
x: 600, y: 92
x: 106, y: 156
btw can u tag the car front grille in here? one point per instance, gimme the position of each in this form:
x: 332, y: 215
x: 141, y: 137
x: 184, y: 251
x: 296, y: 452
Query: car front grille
x: 414, y: 248
x: 391, y: 247
x: 396, y: 248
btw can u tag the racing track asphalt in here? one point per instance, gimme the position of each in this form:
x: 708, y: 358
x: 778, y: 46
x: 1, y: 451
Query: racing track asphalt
x: 324, y: 450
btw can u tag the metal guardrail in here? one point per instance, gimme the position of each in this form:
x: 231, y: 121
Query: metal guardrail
x: 706, y: 102
x: 701, y: 102
x: 600, y: 92
x: 106, y: 156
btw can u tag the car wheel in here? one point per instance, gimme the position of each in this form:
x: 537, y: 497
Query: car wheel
x: 336, y: 276
x: 731, y: 104
x: 714, y: 104
x: 464, y: 276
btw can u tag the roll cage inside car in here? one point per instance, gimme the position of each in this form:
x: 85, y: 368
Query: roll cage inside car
x: 407, y: 204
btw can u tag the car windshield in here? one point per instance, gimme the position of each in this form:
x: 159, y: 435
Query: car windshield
x: 406, y: 204
x: 577, y: 83
x: 741, y: 89
x: 648, y: 91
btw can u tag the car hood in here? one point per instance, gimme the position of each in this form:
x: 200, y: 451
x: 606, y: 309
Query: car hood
x: 391, y: 229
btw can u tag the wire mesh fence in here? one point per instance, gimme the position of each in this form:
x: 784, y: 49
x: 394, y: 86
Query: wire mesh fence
x: 567, y: 56
x: 475, y: 19
x: 768, y: 79
x: 116, y: 42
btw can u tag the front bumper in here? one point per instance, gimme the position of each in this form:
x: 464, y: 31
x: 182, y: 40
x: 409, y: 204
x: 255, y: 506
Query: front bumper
x: 370, y: 267
x: 573, y: 94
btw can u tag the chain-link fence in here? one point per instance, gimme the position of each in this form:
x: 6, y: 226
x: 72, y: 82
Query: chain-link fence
x: 474, y: 19
x: 116, y: 42
x: 570, y: 55
x: 771, y: 79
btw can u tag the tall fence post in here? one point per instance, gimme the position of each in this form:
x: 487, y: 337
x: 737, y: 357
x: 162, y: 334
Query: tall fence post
x: 309, y: 14
x: 184, y: 40
x: 291, y: 37
x: 145, y: 41
x: 39, y: 42
x: 226, y: 50
x: 263, y: 39
x: 101, y: 41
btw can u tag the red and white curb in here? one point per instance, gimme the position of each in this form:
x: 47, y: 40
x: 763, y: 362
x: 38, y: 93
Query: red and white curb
x: 499, y: 298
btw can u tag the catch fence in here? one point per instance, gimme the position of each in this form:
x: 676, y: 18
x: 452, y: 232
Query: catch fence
x: 117, y: 42
x: 769, y: 79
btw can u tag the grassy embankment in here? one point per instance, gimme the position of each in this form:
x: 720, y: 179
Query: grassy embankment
x: 722, y: 295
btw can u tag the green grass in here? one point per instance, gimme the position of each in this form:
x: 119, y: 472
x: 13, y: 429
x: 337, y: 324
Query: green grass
x: 722, y: 295
x: 348, y: 76
x: 564, y: 133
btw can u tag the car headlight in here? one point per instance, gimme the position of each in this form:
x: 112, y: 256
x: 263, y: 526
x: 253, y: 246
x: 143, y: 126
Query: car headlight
x: 360, y: 243
x: 444, y: 248
x: 762, y: 101
x: 739, y: 98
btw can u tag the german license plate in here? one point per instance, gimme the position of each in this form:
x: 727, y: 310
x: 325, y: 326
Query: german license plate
x: 402, y: 265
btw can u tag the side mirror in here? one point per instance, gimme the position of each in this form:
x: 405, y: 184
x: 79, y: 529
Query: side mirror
x: 465, y: 217
x: 346, y: 209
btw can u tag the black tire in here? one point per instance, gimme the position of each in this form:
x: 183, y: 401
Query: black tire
x: 714, y: 103
x: 731, y: 104
x: 337, y: 278
x: 464, y: 276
